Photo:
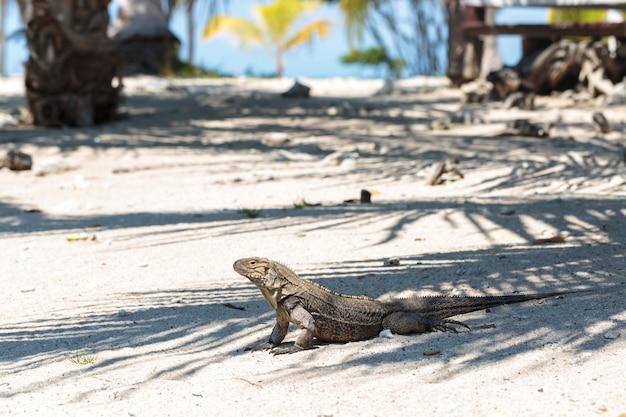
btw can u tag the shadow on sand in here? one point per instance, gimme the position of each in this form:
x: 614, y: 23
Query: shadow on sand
x: 150, y: 320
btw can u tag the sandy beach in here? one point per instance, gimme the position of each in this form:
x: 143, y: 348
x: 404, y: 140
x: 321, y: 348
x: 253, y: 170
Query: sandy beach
x: 117, y: 250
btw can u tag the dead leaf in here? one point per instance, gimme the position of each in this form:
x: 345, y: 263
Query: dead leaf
x: 432, y: 352
x: 234, y: 307
x: 249, y: 382
x: 371, y: 274
x: 553, y: 239
x: 72, y: 237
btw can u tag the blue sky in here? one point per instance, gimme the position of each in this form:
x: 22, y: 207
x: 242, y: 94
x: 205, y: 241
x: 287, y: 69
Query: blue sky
x: 321, y: 60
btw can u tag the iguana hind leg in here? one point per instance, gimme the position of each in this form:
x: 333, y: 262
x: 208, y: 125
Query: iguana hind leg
x: 406, y: 322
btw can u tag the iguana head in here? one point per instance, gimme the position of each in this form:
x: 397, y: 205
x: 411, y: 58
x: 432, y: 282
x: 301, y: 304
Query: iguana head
x: 260, y: 271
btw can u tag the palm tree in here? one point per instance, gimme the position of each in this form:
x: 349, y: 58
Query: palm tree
x: 192, y: 14
x: 3, y: 12
x: 413, y: 33
x: 71, y: 76
x: 273, y: 29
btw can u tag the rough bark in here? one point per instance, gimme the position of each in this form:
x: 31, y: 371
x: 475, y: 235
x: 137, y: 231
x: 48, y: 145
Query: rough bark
x: 464, y: 54
x: 456, y: 42
x: 72, y: 75
x: 3, y: 12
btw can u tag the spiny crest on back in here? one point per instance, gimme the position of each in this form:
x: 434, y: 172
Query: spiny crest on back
x: 319, y: 286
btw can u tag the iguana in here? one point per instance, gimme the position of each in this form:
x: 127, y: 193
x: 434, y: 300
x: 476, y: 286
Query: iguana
x: 331, y: 317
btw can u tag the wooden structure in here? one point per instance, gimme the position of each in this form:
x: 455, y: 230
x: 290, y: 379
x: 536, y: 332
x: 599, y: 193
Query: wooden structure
x: 468, y: 26
x: 72, y: 75
x: 142, y: 38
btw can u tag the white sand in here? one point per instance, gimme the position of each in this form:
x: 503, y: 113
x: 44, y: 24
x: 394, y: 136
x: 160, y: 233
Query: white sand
x: 160, y: 194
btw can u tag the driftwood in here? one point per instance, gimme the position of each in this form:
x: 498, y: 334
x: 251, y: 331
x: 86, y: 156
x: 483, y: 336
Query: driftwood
x: 443, y: 167
x: 16, y: 161
x: 72, y: 74
x: 601, y: 123
x: 505, y: 81
x: 561, y: 66
x: 523, y: 127
x: 524, y: 101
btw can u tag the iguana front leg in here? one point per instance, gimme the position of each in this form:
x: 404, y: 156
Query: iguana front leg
x: 278, y: 333
x: 299, y: 316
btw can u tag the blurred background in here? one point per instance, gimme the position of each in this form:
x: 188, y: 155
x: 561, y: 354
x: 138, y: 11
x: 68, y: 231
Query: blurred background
x: 224, y: 54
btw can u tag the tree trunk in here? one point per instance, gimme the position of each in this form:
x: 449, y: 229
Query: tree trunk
x: 190, y: 30
x: 3, y: 14
x: 456, y: 42
x: 280, y: 62
x: 142, y: 37
x: 72, y: 74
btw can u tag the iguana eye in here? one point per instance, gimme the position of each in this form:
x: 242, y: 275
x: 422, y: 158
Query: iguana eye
x: 252, y: 262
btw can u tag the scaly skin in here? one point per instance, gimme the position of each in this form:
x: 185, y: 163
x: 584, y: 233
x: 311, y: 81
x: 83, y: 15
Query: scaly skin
x: 331, y: 317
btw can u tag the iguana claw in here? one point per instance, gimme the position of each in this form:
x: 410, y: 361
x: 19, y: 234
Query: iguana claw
x: 445, y: 325
x: 290, y: 349
x: 262, y: 346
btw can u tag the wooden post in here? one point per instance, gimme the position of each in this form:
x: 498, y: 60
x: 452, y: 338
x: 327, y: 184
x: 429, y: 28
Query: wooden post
x: 456, y: 42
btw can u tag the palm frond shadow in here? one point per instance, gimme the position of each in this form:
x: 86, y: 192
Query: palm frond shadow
x: 588, y: 221
x: 130, y: 327
x: 154, y: 325
x: 204, y: 125
x: 567, y: 324
x: 198, y: 123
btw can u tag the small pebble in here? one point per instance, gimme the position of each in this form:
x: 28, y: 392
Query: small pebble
x: 27, y: 289
x: 386, y: 333
x: 612, y: 334
x: 395, y: 261
x: 176, y: 300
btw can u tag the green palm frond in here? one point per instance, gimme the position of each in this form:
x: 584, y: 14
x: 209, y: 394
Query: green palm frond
x: 356, y: 13
x: 306, y: 35
x: 273, y: 27
x: 248, y: 32
x: 278, y: 17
